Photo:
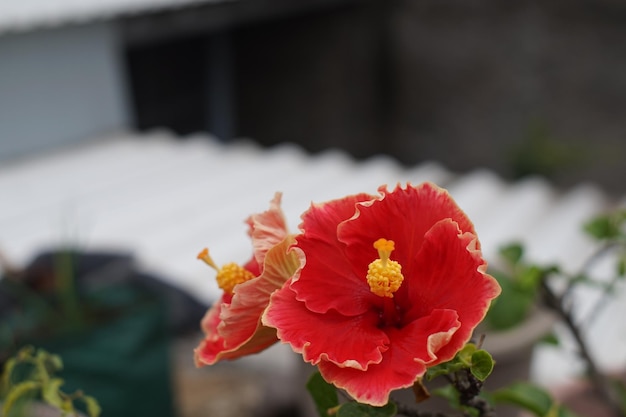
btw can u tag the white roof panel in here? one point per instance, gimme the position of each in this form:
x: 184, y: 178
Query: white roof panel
x: 23, y: 15
x: 164, y: 199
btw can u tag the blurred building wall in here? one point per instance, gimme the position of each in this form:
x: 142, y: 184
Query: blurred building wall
x: 521, y: 87
x: 59, y: 86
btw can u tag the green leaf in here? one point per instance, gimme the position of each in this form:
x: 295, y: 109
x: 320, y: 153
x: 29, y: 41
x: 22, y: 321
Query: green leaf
x: 465, y: 354
x: 25, y: 353
x: 525, y: 395
x: 512, y: 253
x: 530, y: 278
x: 354, y: 409
x: 67, y: 406
x: 531, y: 398
x: 6, y: 375
x: 93, y: 408
x: 449, y: 393
x: 511, y: 307
x: 17, y: 392
x: 50, y: 392
x: 445, y: 368
x: 53, y: 362
x: 462, y: 360
x: 603, y: 227
x: 324, y: 394
x: 482, y: 364
x: 550, y: 339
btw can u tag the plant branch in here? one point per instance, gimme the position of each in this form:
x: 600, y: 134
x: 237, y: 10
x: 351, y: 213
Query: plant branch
x: 602, y: 301
x: 469, y: 388
x: 600, y: 382
x: 589, y: 262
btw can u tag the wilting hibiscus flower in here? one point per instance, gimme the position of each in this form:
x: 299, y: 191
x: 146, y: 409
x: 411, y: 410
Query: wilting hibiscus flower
x: 233, y: 326
x: 391, y: 286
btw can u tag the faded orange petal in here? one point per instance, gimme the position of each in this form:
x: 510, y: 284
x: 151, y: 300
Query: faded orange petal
x: 267, y: 229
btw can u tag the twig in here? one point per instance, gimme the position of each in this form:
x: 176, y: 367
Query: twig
x: 602, y: 301
x: 600, y: 382
x: 469, y: 388
x: 589, y: 262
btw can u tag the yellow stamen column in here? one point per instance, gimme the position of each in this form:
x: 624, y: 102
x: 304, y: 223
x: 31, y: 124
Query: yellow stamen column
x: 384, y: 277
x: 229, y: 275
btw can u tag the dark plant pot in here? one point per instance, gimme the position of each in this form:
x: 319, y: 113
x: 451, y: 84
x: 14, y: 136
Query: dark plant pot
x: 123, y: 363
x: 120, y: 353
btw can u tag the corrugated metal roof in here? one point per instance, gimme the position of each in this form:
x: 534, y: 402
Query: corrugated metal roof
x: 164, y: 199
x: 23, y: 15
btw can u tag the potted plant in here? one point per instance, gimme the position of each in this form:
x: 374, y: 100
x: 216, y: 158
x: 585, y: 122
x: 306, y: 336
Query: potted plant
x: 30, y: 386
x: 368, y: 349
x: 102, y: 316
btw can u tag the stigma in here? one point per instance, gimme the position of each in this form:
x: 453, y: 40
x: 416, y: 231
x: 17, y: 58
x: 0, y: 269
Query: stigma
x: 229, y: 275
x: 384, y: 276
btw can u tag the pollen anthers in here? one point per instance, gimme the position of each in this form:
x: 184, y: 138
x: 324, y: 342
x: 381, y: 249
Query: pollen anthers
x: 384, y: 276
x: 229, y: 275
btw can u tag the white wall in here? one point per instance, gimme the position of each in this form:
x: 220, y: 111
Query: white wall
x: 59, y: 86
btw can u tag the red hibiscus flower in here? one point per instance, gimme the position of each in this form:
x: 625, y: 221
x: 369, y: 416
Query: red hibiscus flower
x: 391, y: 285
x: 232, y: 326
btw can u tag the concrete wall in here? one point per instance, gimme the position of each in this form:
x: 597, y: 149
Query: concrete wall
x: 59, y: 86
x: 521, y: 87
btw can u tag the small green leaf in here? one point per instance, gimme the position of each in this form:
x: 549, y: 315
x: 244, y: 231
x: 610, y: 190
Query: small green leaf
x: 93, y: 408
x: 450, y: 394
x: 603, y: 227
x: 354, y: 409
x: 550, y: 339
x: 324, y: 394
x: 25, y: 353
x: 8, y: 370
x: 465, y: 354
x: 530, y: 278
x: 50, y: 392
x: 67, y: 406
x: 53, y: 362
x: 531, y: 398
x: 462, y: 360
x: 511, y: 307
x: 512, y: 253
x: 525, y: 395
x: 445, y: 368
x: 482, y: 364
x: 17, y: 392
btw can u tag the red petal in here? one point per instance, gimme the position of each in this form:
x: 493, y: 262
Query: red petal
x: 404, y: 216
x: 449, y: 273
x: 347, y: 341
x: 409, y: 349
x: 327, y: 282
x: 212, y: 343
